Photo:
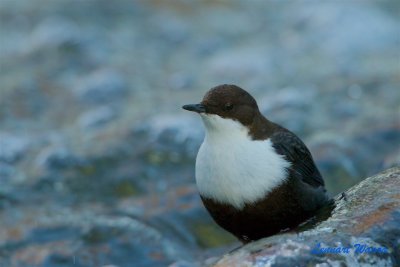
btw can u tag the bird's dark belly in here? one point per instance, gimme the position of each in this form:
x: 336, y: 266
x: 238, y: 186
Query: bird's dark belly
x: 279, y: 210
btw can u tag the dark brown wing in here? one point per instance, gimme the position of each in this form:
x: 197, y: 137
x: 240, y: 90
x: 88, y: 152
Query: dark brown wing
x: 295, y: 151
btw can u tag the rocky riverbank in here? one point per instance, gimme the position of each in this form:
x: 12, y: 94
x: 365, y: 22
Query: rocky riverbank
x: 96, y: 155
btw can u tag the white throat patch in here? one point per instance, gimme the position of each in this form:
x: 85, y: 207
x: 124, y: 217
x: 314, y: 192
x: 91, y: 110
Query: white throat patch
x: 232, y: 168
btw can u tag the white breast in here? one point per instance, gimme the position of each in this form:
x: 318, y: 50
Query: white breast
x: 231, y: 168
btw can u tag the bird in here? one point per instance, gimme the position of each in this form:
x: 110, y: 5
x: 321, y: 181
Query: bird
x: 255, y: 177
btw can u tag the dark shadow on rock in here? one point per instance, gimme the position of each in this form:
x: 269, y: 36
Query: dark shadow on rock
x: 322, y: 214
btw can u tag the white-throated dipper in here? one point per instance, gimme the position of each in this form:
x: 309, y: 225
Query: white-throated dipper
x: 255, y: 177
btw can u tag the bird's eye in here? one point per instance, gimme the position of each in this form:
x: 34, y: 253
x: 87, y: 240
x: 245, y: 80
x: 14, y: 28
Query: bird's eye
x: 228, y: 106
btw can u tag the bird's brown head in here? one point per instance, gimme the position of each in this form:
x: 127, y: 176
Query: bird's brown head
x: 229, y: 102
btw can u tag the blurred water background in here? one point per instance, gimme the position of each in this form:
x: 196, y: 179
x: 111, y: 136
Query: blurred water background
x: 96, y: 155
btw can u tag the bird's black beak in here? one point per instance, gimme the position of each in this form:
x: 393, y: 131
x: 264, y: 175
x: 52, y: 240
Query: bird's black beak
x: 199, y: 108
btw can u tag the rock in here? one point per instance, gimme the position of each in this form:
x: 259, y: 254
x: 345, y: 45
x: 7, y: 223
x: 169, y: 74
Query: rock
x: 288, y: 98
x: 347, y: 22
x: 344, y: 160
x: 65, y: 237
x: 6, y: 171
x: 184, y: 264
x: 240, y: 63
x: 58, y: 158
x: 182, y: 126
x: 290, y: 107
x: 96, y: 117
x: 7, y: 200
x: 171, y: 29
x: 53, y: 32
x: 12, y: 147
x: 186, y: 220
x: 361, y: 217
x: 180, y: 81
x: 101, y: 86
x: 183, y: 134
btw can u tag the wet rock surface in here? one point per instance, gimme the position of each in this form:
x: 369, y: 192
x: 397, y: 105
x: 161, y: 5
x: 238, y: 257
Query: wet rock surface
x: 96, y: 154
x: 366, y: 217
